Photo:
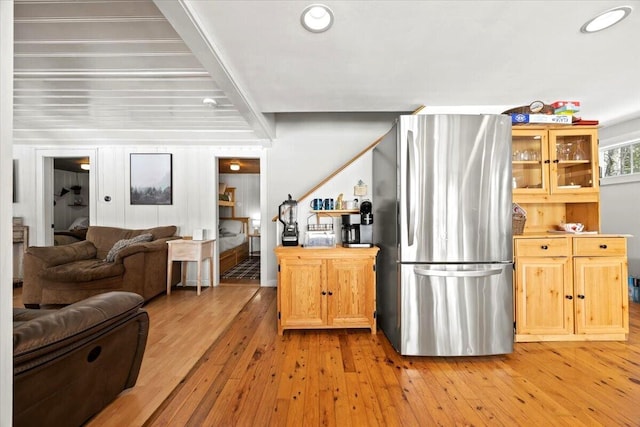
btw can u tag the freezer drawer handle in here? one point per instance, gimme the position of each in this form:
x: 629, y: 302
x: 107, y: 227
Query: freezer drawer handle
x: 458, y: 273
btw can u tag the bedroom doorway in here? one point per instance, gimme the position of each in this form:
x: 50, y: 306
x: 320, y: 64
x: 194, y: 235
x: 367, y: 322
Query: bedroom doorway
x: 46, y: 194
x: 239, y: 220
x: 71, y: 199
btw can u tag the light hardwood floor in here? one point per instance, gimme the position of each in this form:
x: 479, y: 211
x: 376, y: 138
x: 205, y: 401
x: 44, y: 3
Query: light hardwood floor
x: 253, y: 377
x: 250, y: 376
x: 182, y: 327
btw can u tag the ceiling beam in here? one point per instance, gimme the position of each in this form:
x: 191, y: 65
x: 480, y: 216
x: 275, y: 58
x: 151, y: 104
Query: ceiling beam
x: 186, y: 23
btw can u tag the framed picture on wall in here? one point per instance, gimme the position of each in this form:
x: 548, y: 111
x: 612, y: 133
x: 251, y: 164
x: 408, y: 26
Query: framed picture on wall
x: 151, y: 179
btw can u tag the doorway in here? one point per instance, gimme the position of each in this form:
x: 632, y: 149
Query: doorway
x: 239, y: 220
x: 56, y: 188
x: 71, y: 199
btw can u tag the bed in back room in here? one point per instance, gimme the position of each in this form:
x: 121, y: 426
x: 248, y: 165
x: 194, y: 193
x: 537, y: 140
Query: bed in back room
x: 233, y: 242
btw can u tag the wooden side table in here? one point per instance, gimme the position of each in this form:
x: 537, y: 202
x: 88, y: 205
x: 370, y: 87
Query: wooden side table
x: 251, y: 237
x: 189, y: 250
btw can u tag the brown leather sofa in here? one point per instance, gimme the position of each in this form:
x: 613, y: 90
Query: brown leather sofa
x: 69, y: 273
x: 68, y: 364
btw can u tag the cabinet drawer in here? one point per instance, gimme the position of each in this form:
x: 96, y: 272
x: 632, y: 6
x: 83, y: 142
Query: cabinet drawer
x: 542, y: 247
x: 599, y: 246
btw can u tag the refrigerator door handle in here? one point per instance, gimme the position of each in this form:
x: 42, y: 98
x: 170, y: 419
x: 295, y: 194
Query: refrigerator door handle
x: 459, y: 273
x: 409, y: 199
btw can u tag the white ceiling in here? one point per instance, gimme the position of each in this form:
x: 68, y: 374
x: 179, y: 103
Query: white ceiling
x: 138, y: 70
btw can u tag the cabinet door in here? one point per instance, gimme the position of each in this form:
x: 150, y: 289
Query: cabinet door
x: 301, y: 292
x: 544, y: 296
x: 350, y: 286
x: 574, y: 160
x: 601, y: 293
x: 530, y: 161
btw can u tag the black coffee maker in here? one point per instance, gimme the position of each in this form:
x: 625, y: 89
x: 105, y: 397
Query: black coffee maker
x: 350, y: 230
x: 357, y: 229
x: 366, y: 223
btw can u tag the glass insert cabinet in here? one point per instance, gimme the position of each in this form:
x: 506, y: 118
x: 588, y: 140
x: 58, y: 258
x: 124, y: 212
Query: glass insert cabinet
x: 554, y: 160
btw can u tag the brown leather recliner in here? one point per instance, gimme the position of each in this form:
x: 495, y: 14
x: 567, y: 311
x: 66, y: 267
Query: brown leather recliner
x: 69, y: 273
x: 68, y: 364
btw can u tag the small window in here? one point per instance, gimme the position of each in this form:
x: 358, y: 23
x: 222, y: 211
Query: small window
x: 621, y: 161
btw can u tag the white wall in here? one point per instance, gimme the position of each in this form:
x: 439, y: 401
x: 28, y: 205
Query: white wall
x: 194, y: 189
x: 620, y: 203
x: 342, y: 183
x: 310, y: 147
x: 6, y: 189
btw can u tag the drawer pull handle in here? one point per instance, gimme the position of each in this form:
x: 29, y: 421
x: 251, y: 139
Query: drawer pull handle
x: 603, y: 246
x: 581, y: 296
x: 568, y: 296
x: 544, y: 247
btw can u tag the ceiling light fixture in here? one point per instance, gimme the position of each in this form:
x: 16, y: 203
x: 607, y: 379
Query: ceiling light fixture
x: 210, y: 102
x: 234, y: 166
x: 316, y: 18
x: 606, y: 19
x: 85, y: 166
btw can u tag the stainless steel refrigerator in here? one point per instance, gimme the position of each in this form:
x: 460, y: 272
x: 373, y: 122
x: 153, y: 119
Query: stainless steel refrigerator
x: 442, y: 209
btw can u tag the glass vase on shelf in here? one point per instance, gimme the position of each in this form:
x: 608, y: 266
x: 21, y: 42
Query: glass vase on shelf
x: 579, y: 153
x: 565, y: 151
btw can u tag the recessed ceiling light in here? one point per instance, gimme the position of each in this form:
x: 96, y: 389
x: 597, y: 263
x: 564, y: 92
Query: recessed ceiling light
x: 210, y: 102
x: 606, y: 19
x: 316, y: 18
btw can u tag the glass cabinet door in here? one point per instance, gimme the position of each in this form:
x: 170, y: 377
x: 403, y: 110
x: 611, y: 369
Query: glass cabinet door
x: 530, y: 161
x: 574, y: 157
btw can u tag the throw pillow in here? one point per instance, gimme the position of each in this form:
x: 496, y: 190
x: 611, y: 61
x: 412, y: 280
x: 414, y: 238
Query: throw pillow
x: 121, y: 244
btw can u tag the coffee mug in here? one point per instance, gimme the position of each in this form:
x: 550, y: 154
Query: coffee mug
x: 317, y: 204
x: 328, y: 204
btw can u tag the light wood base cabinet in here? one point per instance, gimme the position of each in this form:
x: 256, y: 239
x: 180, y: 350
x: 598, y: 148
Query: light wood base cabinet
x: 326, y: 288
x: 571, y: 288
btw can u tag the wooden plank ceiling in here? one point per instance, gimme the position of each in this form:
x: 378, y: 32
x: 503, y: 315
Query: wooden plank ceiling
x: 111, y: 71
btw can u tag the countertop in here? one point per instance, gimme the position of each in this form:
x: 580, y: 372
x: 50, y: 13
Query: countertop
x: 566, y: 234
